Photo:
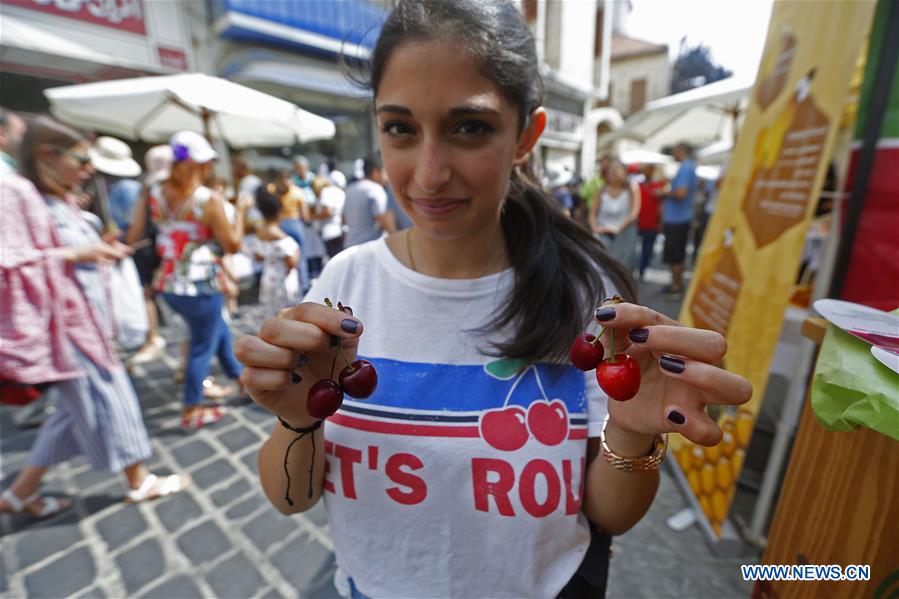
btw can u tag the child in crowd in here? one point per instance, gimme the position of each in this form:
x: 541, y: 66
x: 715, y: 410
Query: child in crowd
x: 280, y: 254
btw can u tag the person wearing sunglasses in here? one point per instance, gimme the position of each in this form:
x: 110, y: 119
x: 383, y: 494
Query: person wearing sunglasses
x: 61, y: 331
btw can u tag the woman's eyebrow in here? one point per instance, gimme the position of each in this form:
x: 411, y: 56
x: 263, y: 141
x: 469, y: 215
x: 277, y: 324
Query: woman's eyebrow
x: 394, y: 108
x: 454, y: 112
x: 472, y: 109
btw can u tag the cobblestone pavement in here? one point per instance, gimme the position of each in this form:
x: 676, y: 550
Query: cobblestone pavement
x: 221, y: 538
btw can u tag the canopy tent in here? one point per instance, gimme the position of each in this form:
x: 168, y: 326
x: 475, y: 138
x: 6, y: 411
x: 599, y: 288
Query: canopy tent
x: 151, y: 109
x: 698, y: 116
x: 639, y: 156
x: 715, y: 153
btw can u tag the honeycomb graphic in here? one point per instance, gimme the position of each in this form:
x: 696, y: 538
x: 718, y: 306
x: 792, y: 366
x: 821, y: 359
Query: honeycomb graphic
x: 712, y: 472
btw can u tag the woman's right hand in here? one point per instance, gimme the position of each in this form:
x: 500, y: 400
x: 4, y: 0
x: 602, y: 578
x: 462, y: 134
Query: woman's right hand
x: 244, y: 202
x: 294, y: 351
x: 100, y: 252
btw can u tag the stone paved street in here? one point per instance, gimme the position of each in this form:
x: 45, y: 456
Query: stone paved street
x: 222, y: 539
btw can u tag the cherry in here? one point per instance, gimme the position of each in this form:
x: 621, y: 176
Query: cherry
x: 586, y: 353
x: 325, y: 398
x: 619, y: 377
x: 548, y: 421
x: 359, y: 379
x: 505, y: 429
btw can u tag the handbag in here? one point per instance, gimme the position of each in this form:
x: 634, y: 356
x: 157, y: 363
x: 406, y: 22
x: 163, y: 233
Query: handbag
x: 13, y: 393
x: 146, y: 258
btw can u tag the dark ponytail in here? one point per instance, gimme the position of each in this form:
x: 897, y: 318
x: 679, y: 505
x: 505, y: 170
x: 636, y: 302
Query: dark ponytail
x: 559, y: 265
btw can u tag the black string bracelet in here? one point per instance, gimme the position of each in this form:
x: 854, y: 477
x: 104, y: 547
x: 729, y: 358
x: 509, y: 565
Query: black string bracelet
x: 301, y: 432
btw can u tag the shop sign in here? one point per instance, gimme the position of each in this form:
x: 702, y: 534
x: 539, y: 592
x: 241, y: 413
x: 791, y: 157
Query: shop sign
x: 175, y: 59
x: 558, y: 121
x: 124, y: 15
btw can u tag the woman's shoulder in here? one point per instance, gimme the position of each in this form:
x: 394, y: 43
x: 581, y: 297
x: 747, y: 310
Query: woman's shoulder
x: 288, y: 244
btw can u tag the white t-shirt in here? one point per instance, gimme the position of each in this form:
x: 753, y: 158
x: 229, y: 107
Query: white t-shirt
x: 333, y: 197
x: 365, y: 200
x: 431, y: 489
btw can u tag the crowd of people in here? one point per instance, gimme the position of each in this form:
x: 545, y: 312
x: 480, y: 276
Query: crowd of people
x: 195, y: 239
x: 87, y: 208
x: 628, y: 205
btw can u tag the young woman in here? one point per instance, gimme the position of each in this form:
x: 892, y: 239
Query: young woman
x: 475, y: 468
x: 192, y: 231
x: 613, y: 215
x: 53, y: 258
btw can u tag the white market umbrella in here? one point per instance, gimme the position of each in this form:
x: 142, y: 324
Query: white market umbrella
x: 715, y: 153
x: 708, y: 171
x: 641, y: 156
x: 698, y: 116
x: 151, y: 109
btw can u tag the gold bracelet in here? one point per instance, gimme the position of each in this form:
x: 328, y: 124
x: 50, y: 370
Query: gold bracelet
x: 641, y: 464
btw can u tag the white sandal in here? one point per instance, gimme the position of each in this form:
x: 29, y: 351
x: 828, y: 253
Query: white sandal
x: 155, y: 487
x: 51, y: 507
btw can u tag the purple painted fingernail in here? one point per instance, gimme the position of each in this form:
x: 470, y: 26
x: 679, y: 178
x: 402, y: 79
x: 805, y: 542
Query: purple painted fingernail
x: 348, y: 325
x: 638, y: 335
x: 604, y: 314
x: 295, y: 378
x: 301, y: 360
x: 676, y: 417
x: 670, y: 364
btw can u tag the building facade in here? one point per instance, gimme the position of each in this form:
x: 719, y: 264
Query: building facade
x: 47, y: 43
x: 572, y: 45
x: 640, y: 73
x: 296, y: 51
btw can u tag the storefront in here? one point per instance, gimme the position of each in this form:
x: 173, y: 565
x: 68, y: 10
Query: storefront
x: 47, y: 43
x: 293, y: 50
x: 562, y: 144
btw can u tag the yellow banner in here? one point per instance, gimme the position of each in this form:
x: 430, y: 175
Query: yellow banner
x: 750, y: 256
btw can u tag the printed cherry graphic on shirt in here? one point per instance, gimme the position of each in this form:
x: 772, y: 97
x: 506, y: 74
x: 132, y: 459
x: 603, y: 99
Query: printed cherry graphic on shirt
x: 505, y: 429
x: 508, y: 428
x: 548, y: 421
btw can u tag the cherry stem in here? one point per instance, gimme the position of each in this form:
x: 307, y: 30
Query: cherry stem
x: 334, y: 361
x: 612, y: 360
x: 350, y: 366
x: 596, y: 339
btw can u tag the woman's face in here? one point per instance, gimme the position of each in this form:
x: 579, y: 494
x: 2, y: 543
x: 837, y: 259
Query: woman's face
x: 449, y: 139
x: 617, y: 173
x: 70, y: 166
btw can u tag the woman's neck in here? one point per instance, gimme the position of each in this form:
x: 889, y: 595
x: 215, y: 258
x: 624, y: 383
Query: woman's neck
x: 177, y: 193
x: 476, y: 256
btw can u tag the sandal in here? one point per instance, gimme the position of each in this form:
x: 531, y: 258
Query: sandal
x: 212, y: 390
x: 200, y: 418
x: 155, y: 487
x: 51, y: 507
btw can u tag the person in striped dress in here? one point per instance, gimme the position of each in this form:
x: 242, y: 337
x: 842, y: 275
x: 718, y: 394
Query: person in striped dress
x: 55, y: 273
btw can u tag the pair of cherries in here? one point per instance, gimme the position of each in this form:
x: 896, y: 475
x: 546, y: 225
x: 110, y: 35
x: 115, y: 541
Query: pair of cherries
x: 618, y: 376
x: 358, y: 380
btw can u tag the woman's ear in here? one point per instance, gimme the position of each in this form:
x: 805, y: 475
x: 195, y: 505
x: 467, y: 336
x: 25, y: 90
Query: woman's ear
x: 45, y: 152
x: 533, y: 129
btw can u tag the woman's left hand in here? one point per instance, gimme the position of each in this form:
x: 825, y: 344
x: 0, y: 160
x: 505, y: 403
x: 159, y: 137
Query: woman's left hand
x: 680, y: 376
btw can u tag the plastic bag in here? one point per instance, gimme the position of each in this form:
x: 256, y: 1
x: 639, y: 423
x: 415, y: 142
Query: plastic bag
x: 128, y: 307
x: 850, y: 388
